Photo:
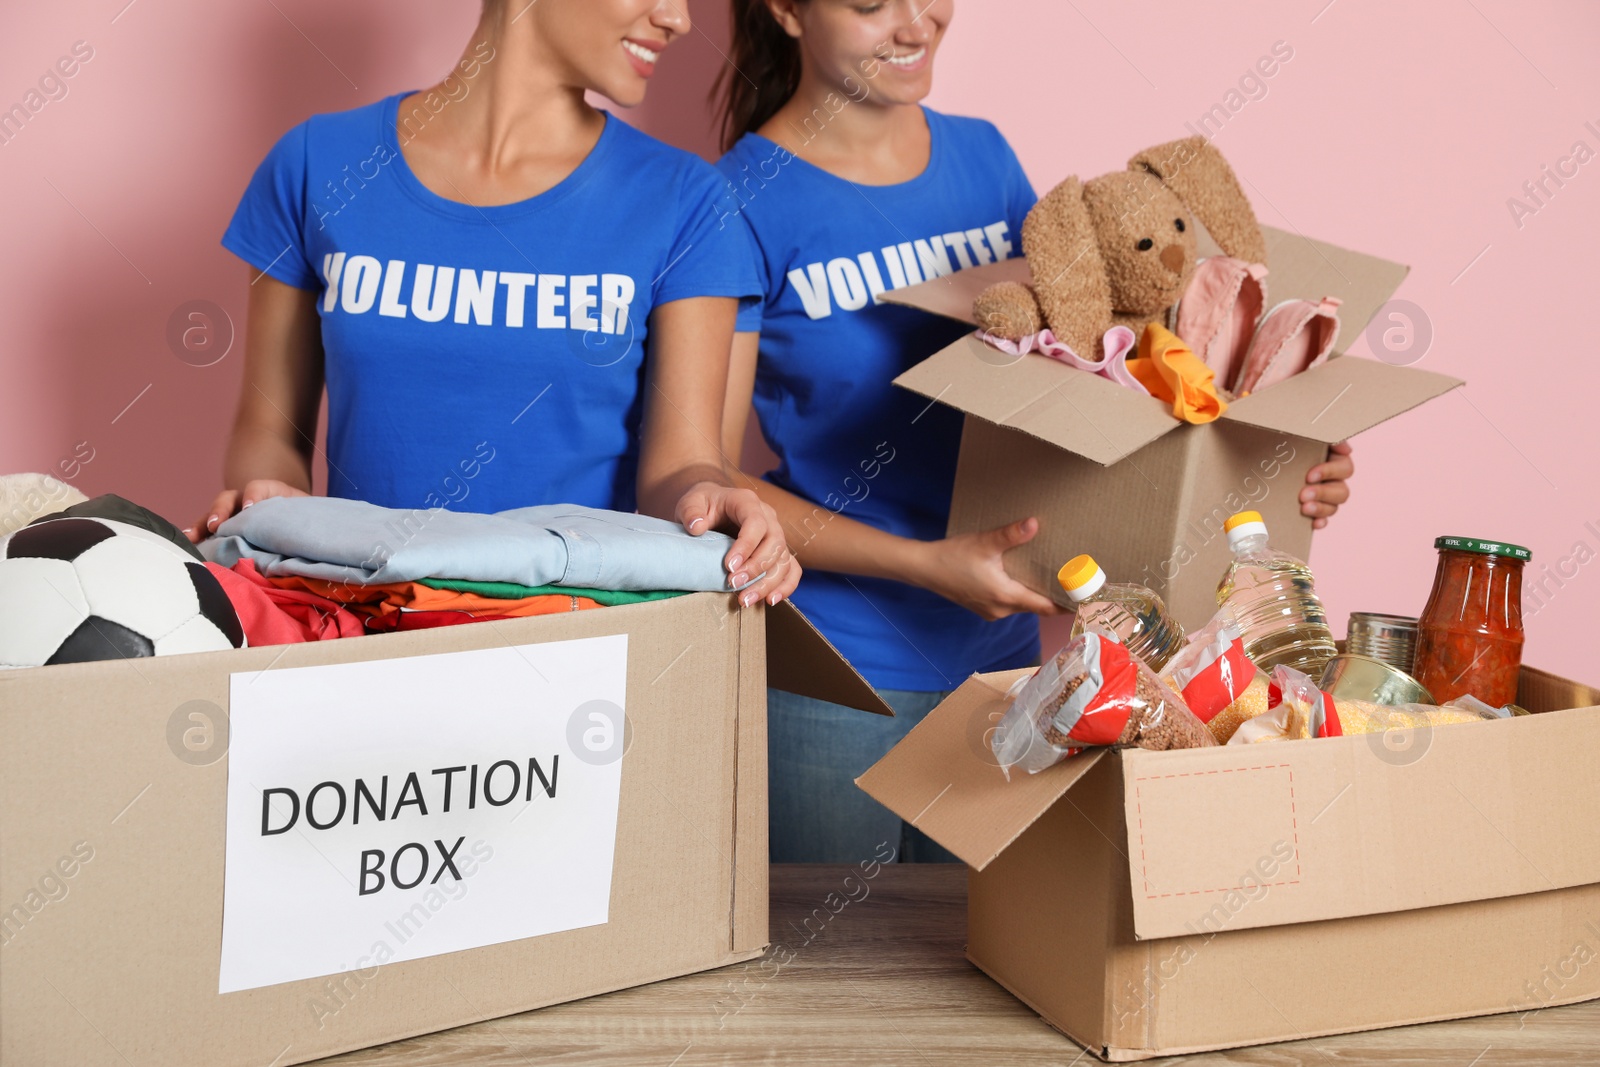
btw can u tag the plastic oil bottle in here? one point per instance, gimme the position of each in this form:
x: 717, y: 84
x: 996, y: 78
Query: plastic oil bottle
x: 1135, y: 614
x: 1275, y: 599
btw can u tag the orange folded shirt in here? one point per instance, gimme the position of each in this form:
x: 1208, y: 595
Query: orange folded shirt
x: 1171, y: 372
x: 389, y: 600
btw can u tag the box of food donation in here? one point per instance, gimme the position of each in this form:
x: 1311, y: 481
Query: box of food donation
x: 271, y: 855
x: 1112, y: 473
x: 1156, y: 903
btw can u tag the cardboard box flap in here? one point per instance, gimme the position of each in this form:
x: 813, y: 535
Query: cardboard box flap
x: 1094, y: 418
x: 1263, y: 835
x: 1540, y: 691
x: 1302, y: 268
x: 952, y: 295
x: 943, y: 779
x: 800, y: 660
x: 1082, y: 413
x: 1341, y: 398
x: 1298, y: 268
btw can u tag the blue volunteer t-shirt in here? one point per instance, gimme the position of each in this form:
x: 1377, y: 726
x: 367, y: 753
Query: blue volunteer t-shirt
x: 485, y: 358
x: 846, y: 437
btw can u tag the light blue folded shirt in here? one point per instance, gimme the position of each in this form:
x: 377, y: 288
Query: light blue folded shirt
x: 561, y: 544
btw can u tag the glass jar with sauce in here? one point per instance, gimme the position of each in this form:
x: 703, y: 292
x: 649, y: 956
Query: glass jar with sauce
x: 1469, y: 638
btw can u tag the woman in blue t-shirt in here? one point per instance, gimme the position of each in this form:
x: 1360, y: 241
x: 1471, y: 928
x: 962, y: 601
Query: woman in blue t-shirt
x: 850, y: 187
x: 511, y: 297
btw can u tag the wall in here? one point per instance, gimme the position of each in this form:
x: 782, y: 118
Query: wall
x: 1403, y: 130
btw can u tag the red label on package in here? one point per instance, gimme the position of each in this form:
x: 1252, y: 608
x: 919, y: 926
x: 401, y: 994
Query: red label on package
x: 1105, y: 715
x: 1217, y: 682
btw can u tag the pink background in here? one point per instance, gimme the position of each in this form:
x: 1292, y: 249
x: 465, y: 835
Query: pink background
x: 1400, y: 130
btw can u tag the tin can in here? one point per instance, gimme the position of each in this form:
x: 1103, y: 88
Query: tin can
x: 1391, y: 638
x: 1349, y: 676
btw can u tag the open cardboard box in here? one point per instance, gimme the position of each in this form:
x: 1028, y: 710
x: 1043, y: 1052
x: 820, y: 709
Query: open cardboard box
x: 1113, y: 474
x: 114, y: 959
x: 1159, y: 903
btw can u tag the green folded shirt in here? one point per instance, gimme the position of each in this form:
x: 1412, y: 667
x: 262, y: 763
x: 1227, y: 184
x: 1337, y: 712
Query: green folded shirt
x: 511, y: 591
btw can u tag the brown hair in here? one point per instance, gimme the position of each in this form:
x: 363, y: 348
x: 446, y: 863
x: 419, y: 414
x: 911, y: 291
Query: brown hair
x: 763, y: 71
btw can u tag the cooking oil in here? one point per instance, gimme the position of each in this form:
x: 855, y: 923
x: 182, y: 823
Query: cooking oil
x: 1135, y: 614
x: 1275, y: 599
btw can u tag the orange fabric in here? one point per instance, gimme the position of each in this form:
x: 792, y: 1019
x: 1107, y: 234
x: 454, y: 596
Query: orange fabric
x: 1171, y: 372
x: 388, y: 600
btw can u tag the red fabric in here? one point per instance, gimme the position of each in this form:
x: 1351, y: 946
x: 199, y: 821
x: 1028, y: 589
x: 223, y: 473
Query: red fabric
x: 274, y: 616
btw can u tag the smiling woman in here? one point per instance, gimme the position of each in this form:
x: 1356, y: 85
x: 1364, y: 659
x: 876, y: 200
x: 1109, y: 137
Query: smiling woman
x: 852, y: 188
x: 449, y: 291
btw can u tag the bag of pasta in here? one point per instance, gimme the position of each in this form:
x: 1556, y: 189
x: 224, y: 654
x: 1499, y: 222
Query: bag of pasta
x: 1094, y: 692
x: 1300, y: 710
x: 1215, y: 677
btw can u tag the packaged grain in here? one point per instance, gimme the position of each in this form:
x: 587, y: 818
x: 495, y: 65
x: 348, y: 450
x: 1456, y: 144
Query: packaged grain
x: 1094, y: 692
x: 1299, y: 710
x: 1216, y: 678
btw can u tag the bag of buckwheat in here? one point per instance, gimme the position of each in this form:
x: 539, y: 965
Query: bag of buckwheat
x: 1094, y: 692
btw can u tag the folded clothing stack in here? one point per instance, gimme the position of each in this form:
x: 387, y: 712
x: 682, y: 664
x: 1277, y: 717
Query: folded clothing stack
x: 314, y: 568
x: 107, y: 579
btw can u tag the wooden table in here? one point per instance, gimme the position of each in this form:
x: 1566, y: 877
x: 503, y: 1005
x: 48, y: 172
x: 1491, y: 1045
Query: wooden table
x: 885, y: 982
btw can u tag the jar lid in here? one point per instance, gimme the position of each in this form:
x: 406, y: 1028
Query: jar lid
x: 1487, y: 548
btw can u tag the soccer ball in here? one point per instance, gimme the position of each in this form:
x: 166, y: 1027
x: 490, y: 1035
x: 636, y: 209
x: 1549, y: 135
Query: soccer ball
x: 80, y: 589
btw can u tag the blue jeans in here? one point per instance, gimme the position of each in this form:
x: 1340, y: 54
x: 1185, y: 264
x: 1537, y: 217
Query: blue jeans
x: 815, y: 750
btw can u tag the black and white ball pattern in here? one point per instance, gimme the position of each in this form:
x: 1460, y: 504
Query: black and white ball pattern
x: 80, y: 589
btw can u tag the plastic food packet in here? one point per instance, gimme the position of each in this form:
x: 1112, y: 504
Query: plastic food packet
x: 1301, y: 710
x: 1468, y: 702
x: 1215, y: 677
x: 1094, y: 692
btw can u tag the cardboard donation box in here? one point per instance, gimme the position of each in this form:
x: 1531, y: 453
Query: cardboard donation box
x: 1112, y: 473
x: 1158, y: 903
x: 271, y: 855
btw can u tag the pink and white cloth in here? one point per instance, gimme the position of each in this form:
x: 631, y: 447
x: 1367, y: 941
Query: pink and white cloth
x: 1118, y: 343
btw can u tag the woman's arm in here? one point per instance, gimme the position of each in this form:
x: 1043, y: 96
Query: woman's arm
x: 968, y: 569
x: 681, y: 470
x: 275, y: 428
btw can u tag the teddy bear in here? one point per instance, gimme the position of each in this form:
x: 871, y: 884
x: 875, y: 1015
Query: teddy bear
x: 25, y: 497
x: 1120, y: 249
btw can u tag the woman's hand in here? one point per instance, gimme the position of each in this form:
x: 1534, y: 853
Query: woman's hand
x: 758, y: 549
x: 970, y: 570
x: 230, y: 501
x: 1327, y: 485
x: 276, y: 424
x: 682, y: 471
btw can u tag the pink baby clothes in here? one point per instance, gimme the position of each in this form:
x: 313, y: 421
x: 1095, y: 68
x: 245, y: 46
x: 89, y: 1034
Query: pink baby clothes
x: 1113, y: 365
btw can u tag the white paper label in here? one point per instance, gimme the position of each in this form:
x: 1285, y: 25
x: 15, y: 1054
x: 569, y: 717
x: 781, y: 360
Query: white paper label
x: 402, y: 808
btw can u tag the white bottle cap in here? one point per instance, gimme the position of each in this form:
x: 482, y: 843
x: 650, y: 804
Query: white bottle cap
x: 1244, y: 530
x: 1081, y: 577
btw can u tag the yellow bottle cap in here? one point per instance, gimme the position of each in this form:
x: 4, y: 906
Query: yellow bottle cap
x: 1077, y: 572
x: 1240, y: 519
